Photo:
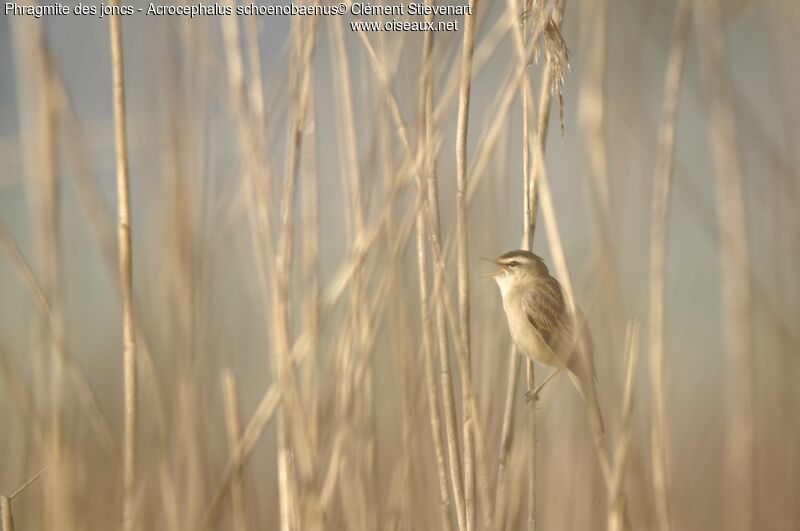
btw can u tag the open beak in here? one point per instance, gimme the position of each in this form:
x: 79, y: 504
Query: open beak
x: 490, y: 275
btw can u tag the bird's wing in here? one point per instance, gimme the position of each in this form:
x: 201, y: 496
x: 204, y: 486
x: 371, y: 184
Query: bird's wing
x: 549, y: 316
x: 545, y: 310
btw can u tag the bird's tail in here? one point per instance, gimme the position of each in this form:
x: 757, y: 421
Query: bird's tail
x: 582, y: 373
x: 585, y: 382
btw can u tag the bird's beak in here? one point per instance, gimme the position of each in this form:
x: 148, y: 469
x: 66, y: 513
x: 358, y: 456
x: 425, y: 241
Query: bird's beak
x: 490, y: 275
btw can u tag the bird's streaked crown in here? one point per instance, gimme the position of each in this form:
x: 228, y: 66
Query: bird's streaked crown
x: 521, y: 258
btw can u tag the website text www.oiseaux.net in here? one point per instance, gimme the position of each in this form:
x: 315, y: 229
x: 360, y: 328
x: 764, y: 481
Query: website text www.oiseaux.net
x: 411, y: 9
x: 402, y: 25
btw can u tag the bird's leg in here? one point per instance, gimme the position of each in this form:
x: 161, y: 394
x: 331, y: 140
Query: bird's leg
x: 534, y: 395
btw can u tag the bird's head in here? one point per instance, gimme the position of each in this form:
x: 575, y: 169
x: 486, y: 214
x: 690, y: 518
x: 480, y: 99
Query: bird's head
x: 517, y: 268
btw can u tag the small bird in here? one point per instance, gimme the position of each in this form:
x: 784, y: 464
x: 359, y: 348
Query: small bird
x: 541, y: 326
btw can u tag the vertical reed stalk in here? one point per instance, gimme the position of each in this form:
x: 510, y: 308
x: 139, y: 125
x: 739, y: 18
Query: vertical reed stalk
x: 102, y: 223
x: 46, y: 190
x: 463, y: 250
x: 617, y: 503
x: 592, y: 121
x: 233, y: 429
x: 559, y: 257
x: 426, y: 127
x: 6, y: 518
x: 359, y: 320
x: 466, y: 380
x: 310, y: 267
x: 125, y: 270
x: 739, y: 459
x: 506, y: 436
x: 548, y: 214
x: 591, y: 103
x: 662, y: 183
x: 519, y: 15
x: 527, y: 244
x: 274, y: 264
x: 531, y: 201
x: 289, y: 407
x: 448, y: 399
x: 39, y: 120
x: 562, y: 270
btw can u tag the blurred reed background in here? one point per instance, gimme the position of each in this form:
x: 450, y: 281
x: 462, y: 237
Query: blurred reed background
x: 313, y: 346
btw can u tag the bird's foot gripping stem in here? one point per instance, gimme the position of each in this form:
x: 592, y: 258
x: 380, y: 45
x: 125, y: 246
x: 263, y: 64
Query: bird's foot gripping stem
x: 532, y: 395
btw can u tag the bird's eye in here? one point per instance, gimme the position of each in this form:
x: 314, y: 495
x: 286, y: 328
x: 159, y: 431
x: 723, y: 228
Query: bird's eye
x: 513, y: 263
